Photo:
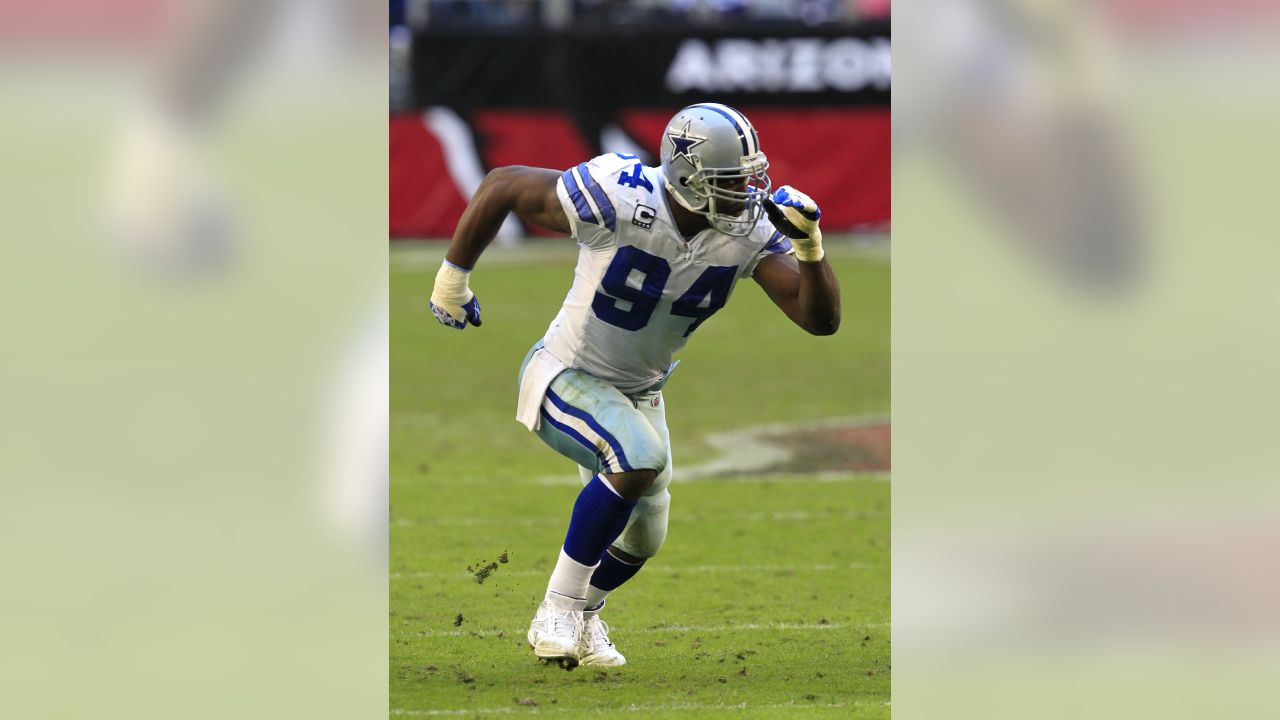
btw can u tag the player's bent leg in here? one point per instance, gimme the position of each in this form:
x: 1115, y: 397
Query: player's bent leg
x: 593, y: 423
x: 598, y: 427
x: 647, y: 527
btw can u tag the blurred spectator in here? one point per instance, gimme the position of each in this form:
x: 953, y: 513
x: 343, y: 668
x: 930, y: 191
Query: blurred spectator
x: 514, y: 14
x: 479, y: 13
x: 400, y: 67
x: 868, y: 9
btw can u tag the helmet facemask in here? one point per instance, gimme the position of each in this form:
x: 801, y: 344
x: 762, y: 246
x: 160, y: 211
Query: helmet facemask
x: 733, y: 198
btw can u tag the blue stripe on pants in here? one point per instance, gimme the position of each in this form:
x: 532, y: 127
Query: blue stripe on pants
x: 575, y: 435
x: 591, y: 423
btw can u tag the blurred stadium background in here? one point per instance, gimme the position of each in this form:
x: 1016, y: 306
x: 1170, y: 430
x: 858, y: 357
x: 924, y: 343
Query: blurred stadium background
x: 477, y: 85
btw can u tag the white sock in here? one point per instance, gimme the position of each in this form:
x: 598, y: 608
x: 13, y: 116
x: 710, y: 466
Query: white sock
x: 569, y: 583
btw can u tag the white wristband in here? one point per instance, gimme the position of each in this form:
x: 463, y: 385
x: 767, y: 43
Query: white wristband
x: 809, y: 249
x: 451, y: 285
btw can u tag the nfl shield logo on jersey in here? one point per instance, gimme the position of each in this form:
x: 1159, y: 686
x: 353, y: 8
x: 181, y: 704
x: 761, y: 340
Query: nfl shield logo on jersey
x: 644, y: 216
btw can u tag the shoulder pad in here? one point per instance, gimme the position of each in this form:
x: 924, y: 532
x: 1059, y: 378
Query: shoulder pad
x: 589, y: 186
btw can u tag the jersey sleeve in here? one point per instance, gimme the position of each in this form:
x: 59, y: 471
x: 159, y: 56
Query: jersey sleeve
x: 590, y: 202
x: 777, y: 244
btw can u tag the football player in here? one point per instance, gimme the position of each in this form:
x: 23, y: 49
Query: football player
x: 661, y: 250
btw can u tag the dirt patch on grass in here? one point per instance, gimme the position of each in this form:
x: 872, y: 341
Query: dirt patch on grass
x: 860, y: 448
x: 854, y: 445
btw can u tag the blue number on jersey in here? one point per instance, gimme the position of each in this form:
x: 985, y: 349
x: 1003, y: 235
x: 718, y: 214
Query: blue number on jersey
x: 643, y: 299
x: 713, y: 285
x: 636, y: 178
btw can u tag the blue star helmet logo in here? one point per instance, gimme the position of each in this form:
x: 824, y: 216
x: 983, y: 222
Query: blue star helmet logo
x: 684, y: 142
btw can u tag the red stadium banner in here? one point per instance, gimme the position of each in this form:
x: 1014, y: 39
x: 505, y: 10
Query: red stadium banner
x: 840, y: 156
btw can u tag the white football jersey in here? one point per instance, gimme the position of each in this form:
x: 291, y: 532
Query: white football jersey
x: 640, y: 289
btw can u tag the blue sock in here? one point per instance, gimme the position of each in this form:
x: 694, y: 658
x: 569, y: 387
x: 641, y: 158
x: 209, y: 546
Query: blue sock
x: 599, y: 517
x: 608, y: 576
x: 613, y: 572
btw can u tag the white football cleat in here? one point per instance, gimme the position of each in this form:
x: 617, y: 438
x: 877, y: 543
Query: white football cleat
x: 554, y: 634
x: 594, y: 646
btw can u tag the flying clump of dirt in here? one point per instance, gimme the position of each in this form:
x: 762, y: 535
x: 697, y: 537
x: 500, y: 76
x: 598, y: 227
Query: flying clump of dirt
x: 482, y: 570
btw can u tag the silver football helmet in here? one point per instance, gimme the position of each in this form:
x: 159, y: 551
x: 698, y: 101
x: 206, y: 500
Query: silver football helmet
x: 713, y: 166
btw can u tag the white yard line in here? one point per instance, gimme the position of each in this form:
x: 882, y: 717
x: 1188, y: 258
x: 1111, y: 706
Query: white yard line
x: 561, y: 520
x: 668, y: 569
x: 833, y: 476
x: 624, y: 632
x: 813, y: 477
x: 632, y: 708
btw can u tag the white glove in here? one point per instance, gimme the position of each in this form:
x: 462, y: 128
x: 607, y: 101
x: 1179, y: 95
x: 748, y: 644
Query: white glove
x: 796, y: 215
x: 452, y: 301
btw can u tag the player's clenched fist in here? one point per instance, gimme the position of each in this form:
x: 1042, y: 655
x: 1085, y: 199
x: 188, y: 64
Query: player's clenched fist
x: 796, y: 215
x: 452, y: 302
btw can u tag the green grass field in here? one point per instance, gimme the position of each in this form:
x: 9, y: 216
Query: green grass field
x: 771, y: 595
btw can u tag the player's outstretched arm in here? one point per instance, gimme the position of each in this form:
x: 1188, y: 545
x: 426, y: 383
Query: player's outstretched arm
x: 528, y: 192
x: 803, y: 286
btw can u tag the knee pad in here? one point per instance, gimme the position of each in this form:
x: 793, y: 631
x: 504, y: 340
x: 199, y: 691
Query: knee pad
x: 647, y: 528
